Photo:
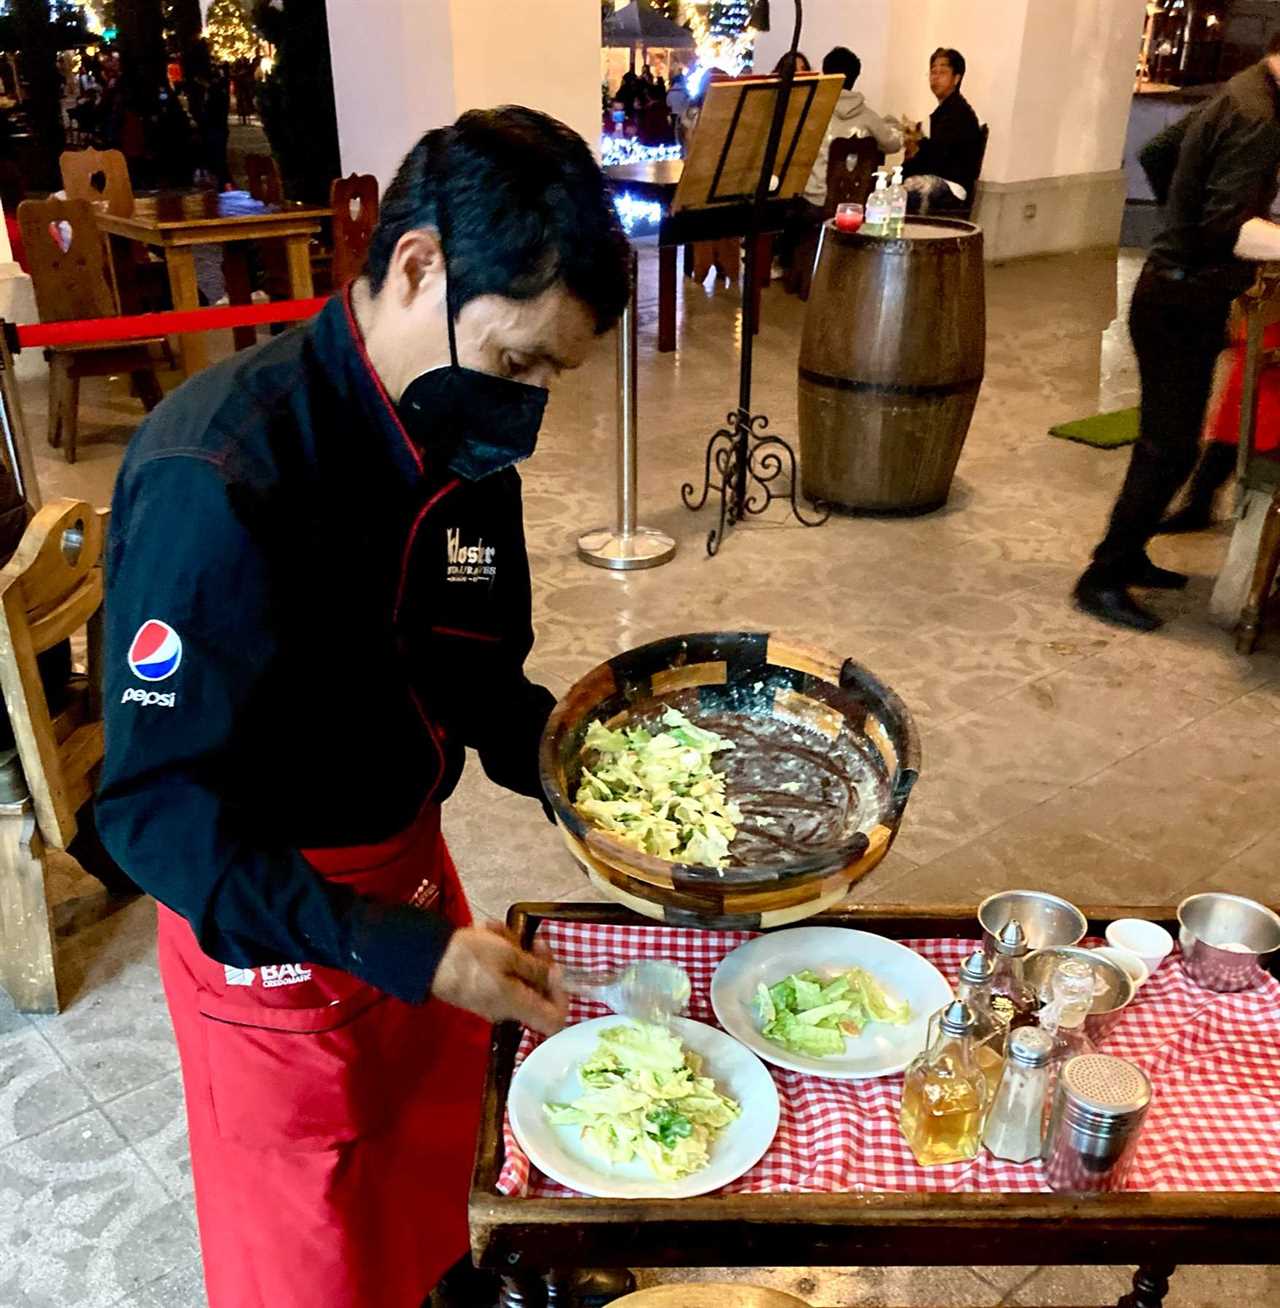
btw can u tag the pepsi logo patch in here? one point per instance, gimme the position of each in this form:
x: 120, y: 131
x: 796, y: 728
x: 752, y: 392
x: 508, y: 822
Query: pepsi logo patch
x: 156, y: 651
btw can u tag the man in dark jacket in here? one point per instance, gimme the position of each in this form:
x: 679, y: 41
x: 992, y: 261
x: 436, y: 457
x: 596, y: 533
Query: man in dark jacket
x: 941, y: 169
x: 318, y: 600
x: 1219, y: 193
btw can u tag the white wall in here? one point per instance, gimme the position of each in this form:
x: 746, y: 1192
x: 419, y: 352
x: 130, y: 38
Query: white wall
x: 544, y: 54
x: 401, y: 67
x: 392, y: 78
x: 862, y: 25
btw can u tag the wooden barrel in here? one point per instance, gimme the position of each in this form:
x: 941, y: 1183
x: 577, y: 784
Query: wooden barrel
x: 894, y: 346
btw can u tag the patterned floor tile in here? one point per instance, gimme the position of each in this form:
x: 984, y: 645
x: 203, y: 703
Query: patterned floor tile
x: 115, y: 1034
x: 153, y: 1120
x: 36, y: 1091
x: 82, y: 1221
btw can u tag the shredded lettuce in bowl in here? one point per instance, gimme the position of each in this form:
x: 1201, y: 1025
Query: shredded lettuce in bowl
x: 659, y: 792
x: 645, y: 1096
x: 809, y: 1015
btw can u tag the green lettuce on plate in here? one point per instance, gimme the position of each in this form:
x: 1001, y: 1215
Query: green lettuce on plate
x: 644, y: 1096
x: 808, y: 1014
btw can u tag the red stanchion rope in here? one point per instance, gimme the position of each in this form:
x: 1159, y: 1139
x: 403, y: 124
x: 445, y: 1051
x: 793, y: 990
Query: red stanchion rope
x: 173, y: 322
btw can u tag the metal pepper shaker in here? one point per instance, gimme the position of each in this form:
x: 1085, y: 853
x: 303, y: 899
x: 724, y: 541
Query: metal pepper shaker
x: 1098, y: 1112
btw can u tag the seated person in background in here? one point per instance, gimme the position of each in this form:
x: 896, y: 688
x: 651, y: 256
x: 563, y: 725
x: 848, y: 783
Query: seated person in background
x: 941, y: 169
x: 802, y: 64
x: 852, y: 117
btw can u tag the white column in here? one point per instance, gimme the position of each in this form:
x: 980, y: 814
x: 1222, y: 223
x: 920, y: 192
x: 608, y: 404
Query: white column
x: 401, y: 67
x: 18, y: 303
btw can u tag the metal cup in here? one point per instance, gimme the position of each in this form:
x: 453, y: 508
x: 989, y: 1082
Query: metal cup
x: 1046, y: 920
x: 1224, y: 939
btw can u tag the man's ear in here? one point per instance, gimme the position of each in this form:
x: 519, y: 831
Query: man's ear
x: 417, y: 261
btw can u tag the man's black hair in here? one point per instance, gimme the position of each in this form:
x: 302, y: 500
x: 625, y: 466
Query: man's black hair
x: 520, y: 204
x: 1273, y: 46
x: 953, y: 57
x: 842, y: 60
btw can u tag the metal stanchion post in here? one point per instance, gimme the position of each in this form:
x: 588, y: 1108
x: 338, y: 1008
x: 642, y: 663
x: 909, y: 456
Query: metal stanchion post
x: 625, y: 546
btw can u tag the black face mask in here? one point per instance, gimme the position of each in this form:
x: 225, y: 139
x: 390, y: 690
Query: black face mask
x: 477, y: 422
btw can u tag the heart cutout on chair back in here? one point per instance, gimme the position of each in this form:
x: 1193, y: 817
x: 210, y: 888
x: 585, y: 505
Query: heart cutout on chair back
x: 98, y: 181
x: 61, y: 235
x: 354, y: 206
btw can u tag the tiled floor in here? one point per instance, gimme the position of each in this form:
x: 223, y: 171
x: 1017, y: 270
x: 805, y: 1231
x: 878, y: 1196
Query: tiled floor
x: 1058, y: 752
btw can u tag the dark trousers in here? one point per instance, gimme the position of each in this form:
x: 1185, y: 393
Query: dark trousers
x: 1178, y: 331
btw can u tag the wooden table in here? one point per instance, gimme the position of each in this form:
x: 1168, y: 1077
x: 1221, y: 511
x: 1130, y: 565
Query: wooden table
x: 177, y: 222
x: 528, y: 1238
x: 656, y: 180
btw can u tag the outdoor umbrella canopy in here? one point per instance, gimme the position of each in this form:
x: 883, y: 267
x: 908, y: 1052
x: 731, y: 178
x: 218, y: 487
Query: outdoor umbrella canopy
x: 638, y: 25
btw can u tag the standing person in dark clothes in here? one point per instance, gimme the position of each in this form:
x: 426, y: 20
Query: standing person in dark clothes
x: 941, y: 169
x: 1221, y: 164
x: 275, y: 769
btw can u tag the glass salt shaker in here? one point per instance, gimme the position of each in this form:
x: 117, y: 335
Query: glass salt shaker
x: 1014, y: 1128
x: 1013, y: 1000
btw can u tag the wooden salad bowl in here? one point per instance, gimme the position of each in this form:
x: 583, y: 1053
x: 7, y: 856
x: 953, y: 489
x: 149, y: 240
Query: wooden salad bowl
x: 859, y: 759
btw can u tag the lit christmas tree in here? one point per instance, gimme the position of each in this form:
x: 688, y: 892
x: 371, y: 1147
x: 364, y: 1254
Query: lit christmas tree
x: 729, y: 18
x: 227, y: 29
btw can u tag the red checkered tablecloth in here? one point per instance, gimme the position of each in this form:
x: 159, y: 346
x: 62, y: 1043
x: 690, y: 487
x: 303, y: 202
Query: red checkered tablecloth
x: 1213, y: 1060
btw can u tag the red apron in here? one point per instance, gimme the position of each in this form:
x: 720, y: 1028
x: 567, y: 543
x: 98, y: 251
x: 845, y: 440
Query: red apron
x: 332, y: 1127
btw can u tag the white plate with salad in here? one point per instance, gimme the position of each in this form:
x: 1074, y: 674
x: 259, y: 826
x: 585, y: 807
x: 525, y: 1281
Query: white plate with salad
x: 617, y: 1110
x: 829, y: 1001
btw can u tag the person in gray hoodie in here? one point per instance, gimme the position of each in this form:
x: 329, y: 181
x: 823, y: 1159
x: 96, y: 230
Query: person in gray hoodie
x: 852, y: 117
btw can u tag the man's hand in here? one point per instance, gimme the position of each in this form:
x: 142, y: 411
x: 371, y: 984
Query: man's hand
x: 485, y: 971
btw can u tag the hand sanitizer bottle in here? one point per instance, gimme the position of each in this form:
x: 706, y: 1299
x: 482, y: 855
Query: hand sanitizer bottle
x: 897, y: 204
x: 878, y: 215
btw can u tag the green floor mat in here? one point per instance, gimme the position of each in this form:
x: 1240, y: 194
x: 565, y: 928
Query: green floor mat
x: 1105, y: 431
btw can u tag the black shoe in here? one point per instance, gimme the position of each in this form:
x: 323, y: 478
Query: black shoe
x: 1105, y: 598
x: 1189, y: 518
x: 1148, y: 576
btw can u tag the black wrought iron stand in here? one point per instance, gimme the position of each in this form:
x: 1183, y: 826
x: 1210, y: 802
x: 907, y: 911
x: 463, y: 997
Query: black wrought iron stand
x: 747, y: 465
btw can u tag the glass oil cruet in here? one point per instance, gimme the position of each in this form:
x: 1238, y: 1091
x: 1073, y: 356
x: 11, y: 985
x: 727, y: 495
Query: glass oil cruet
x: 944, y: 1093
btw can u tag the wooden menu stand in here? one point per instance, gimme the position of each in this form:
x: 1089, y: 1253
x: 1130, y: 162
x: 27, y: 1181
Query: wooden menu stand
x: 753, y: 150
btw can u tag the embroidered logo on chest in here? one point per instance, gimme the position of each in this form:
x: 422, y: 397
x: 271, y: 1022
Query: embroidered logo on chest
x: 469, y: 560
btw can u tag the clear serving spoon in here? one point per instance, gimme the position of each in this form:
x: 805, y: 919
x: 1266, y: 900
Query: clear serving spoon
x: 648, y: 991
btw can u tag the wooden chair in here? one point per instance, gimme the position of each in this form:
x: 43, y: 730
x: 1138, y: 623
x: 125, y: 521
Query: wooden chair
x: 966, y: 210
x: 851, y: 167
x: 50, y: 589
x: 265, y: 183
x: 81, y: 170
x: 102, y: 178
x: 78, y: 281
x: 354, y: 201
x: 1248, y: 576
x: 267, y: 186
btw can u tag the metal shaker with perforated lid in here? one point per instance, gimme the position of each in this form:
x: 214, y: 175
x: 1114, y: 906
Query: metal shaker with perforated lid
x: 1098, y: 1112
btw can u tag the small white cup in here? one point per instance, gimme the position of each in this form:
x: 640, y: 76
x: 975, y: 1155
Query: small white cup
x: 1152, y: 943
x: 1127, y: 961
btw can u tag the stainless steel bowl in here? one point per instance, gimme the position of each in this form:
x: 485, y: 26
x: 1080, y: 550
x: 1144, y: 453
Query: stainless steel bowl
x: 1224, y: 939
x: 1047, y: 921
x: 1113, y: 986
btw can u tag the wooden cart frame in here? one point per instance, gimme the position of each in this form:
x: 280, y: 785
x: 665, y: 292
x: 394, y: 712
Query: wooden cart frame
x: 527, y: 1239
